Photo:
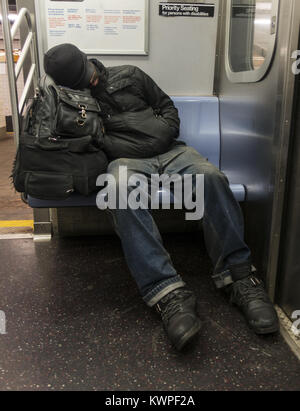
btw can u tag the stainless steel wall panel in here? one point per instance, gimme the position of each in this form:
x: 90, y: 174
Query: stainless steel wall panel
x: 288, y: 290
x: 251, y: 117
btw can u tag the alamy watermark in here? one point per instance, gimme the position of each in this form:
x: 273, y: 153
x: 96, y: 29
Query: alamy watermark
x: 296, y: 323
x: 158, y: 191
x: 296, y: 64
x: 2, y: 323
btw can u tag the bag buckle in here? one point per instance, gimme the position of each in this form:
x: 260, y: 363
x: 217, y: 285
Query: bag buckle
x: 83, y: 108
x: 80, y: 122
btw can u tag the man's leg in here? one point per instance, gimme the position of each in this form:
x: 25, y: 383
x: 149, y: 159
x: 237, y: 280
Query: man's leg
x: 224, y: 237
x: 147, y: 259
x: 223, y: 223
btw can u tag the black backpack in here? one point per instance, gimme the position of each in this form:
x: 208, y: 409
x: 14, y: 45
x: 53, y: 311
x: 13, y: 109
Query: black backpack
x: 60, y: 149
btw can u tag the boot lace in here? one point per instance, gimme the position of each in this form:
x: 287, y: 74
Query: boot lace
x: 172, y: 304
x: 247, y: 290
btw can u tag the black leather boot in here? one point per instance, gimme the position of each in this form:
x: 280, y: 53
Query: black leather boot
x: 250, y: 296
x: 178, y: 312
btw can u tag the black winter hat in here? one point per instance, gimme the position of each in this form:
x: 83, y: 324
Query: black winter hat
x: 68, y: 66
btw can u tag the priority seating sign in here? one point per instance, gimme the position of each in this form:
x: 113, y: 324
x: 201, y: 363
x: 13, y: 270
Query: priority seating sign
x: 167, y: 9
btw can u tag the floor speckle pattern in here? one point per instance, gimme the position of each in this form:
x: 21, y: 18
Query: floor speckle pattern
x: 75, y: 321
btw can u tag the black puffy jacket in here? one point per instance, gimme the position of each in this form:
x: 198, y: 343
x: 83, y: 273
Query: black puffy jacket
x: 140, y: 119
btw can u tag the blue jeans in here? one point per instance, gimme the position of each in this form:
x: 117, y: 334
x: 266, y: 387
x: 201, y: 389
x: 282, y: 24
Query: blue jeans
x: 148, y: 261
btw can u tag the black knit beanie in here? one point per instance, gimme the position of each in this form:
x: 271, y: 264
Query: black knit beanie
x: 68, y: 66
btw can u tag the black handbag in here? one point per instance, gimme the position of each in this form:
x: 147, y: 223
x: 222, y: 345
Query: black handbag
x: 77, y: 113
x: 60, y: 112
x: 61, y: 144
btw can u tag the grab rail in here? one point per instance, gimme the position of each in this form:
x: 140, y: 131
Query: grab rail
x: 30, y: 44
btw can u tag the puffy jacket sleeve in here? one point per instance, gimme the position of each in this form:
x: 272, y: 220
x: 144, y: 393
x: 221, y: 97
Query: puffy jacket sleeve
x: 158, y: 100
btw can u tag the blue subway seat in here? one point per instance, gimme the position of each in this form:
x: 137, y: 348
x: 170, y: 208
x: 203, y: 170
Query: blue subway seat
x: 199, y: 125
x: 199, y: 129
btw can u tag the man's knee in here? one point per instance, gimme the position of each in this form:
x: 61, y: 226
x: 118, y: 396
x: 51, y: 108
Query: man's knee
x: 214, y: 175
x: 125, y: 179
x: 115, y: 166
x: 201, y: 165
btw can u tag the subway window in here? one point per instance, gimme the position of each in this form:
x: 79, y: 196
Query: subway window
x: 251, y: 38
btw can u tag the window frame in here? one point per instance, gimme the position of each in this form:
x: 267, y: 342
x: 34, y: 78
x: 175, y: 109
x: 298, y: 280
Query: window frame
x: 251, y: 76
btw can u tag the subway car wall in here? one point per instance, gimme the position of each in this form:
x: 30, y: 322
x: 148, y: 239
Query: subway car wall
x: 188, y: 70
x: 288, y: 289
x: 255, y: 121
x: 251, y: 114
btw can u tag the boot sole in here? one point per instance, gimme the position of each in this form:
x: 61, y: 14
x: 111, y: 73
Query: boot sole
x: 263, y: 331
x: 260, y: 331
x: 187, y: 337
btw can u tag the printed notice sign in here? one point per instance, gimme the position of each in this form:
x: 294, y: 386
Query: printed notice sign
x: 98, y: 26
x: 186, y: 9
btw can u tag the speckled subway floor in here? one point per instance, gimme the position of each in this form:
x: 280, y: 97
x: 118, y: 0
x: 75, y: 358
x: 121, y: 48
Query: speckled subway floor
x: 75, y: 321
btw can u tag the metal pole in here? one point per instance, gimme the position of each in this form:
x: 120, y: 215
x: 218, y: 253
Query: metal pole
x: 10, y: 70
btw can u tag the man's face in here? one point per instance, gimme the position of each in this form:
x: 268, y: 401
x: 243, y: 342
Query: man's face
x: 94, y: 81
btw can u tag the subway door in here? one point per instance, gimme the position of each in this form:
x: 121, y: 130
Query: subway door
x: 289, y: 262
x: 254, y: 49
